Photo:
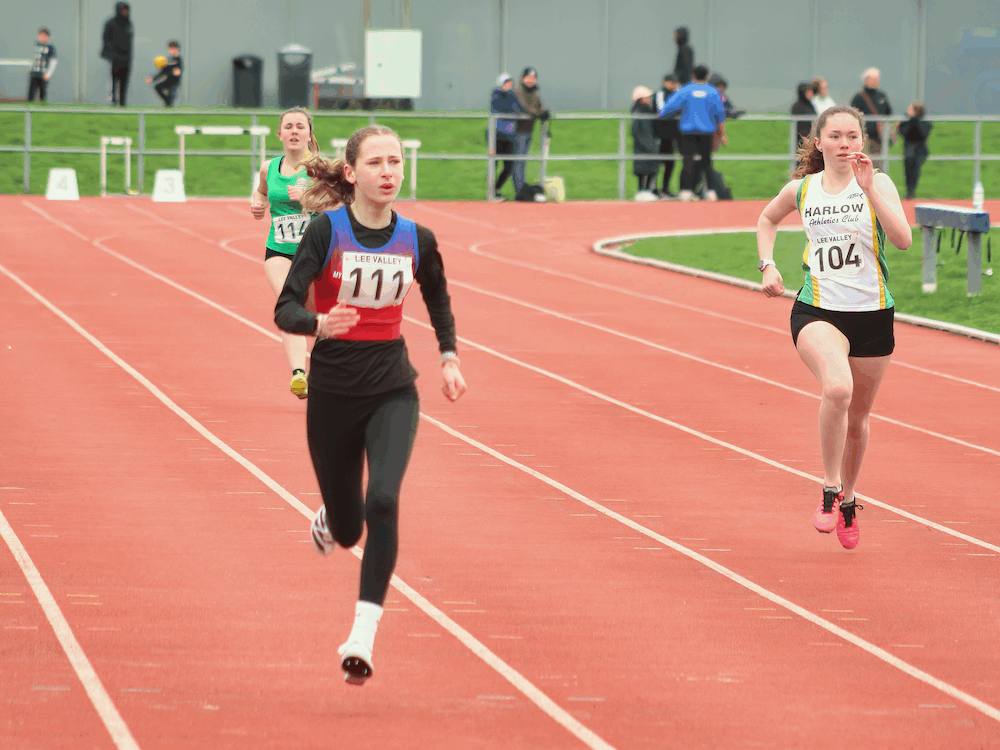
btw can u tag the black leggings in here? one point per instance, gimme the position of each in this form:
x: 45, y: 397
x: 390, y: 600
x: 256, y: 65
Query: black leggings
x: 119, y: 84
x: 504, y: 146
x: 342, y: 430
x: 695, y: 144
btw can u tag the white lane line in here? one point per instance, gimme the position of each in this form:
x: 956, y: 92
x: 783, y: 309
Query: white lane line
x: 515, y: 678
x: 584, y: 389
x: 99, y: 697
x: 707, y: 438
x: 701, y: 360
x: 746, y: 583
x: 475, y: 250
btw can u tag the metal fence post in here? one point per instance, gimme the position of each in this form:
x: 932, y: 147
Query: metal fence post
x: 254, y: 166
x: 491, y: 163
x: 27, y: 150
x: 977, y: 151
x: 141, y: 151
x: 793, y: 145
x: 621, y: 158
x: 884, y: 156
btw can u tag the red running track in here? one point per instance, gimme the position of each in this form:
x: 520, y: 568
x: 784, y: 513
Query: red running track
x: 606, y: 543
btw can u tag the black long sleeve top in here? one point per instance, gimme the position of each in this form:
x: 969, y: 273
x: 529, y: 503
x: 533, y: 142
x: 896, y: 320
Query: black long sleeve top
x: 361, y: 368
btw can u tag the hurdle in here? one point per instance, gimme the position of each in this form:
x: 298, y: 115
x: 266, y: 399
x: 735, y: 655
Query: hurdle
x: 971, y: 221
x: 411, y: 145
x: 256, y: 132
x: 111, y: 140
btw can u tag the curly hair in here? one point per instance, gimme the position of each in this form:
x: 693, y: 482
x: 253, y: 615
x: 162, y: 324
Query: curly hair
x: 810, y: 158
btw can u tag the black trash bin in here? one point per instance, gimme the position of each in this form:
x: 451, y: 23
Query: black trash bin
x: 248, y: 84
x: 294, y: 72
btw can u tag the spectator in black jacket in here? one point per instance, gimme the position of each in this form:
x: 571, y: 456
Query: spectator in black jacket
x: 873, y: 101
x: 117, y: 50
x: 644, y: 141
x: 914, y: 132
x: 168, y: 80
x: 803, y: 106
x: 505, y: 102
x: 684, y: 63
x: 667, y: 131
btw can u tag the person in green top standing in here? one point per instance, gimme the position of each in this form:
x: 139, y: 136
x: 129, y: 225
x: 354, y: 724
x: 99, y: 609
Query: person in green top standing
x: 282, y: 182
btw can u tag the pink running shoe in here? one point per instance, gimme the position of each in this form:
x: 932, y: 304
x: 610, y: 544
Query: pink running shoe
x: 825, y: 517
x: 847, y: 525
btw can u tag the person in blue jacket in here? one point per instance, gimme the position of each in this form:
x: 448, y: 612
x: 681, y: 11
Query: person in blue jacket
x: 702, y: 115
x: 504, y: 102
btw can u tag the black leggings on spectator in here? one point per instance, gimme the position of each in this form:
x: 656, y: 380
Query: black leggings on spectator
x: 692, y: 171
x: 505, y: 146
x: 342, y: 430
x: 667, y: 147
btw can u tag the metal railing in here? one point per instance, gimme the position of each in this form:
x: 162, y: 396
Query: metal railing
x: 623, y: 156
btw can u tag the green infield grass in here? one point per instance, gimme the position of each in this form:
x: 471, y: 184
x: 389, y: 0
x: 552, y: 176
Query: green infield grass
x: 736, y: 255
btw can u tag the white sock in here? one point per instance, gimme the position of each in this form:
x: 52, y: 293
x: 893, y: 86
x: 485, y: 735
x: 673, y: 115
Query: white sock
x: 366, y: 617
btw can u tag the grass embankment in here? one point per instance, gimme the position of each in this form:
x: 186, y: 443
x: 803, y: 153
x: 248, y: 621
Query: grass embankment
x: 438, y: 180
x: 736, y: 255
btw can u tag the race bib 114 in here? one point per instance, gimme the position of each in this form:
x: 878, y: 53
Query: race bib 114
x: 288, y: 229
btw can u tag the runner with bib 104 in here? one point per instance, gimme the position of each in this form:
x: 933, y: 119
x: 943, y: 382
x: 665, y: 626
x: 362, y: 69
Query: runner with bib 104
x: 842, y: 318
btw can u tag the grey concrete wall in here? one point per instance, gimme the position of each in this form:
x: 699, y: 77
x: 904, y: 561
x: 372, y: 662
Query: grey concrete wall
x: 589, y: 53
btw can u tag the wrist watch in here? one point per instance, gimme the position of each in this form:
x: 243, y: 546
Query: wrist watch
x: 765, y: 263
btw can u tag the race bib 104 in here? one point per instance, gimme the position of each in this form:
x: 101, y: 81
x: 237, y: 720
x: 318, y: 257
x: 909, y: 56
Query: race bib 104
x: 375, y: 280
x: 288, y: 229
x: 836, y: 255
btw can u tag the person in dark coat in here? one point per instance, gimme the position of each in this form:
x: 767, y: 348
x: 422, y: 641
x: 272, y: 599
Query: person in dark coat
x: 803, y: 106
x: 914, y: 133
x: 644, y: 142
x: 667, y: 130
x: 505, y: 101
x: 871, y: 100
x: 684, y: 63
x: 117, y: 50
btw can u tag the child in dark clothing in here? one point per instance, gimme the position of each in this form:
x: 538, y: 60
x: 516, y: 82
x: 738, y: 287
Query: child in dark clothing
x: 168, y: 80
x: 42, y: 68
x: 914, y: 133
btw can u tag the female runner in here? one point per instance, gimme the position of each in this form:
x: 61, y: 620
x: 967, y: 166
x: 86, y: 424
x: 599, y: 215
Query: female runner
x: 842, y: 318
x: 361, y: 260
x: 282, y: 182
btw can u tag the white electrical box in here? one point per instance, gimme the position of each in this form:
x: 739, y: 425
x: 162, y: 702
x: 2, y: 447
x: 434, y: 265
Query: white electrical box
x: 392, y: 63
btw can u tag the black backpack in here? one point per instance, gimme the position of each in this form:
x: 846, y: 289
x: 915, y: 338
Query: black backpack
x: 531, y: 194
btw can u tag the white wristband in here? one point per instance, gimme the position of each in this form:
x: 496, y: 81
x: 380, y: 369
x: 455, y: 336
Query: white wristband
x: 450, y: 357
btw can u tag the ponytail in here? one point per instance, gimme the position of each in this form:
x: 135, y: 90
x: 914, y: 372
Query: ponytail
x: 329, y: 186
x: 810, y: 158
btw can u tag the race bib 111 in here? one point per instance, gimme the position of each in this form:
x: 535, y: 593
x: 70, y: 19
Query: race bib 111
x: 375, y: 280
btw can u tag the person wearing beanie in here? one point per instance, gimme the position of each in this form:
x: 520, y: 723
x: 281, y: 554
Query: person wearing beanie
x: 531, y: 102
x: 504, y: 101
x: 644, y: 141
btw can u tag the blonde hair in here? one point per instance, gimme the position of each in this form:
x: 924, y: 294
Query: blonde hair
x: 810, y: 157
x: 313, y: 146
x: 329, y: 185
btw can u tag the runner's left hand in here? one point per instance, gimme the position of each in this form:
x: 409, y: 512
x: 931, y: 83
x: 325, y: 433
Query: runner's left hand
x: 454, y: 383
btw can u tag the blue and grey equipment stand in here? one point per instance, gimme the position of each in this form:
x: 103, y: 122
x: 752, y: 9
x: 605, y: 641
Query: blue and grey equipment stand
x: 969, y: 221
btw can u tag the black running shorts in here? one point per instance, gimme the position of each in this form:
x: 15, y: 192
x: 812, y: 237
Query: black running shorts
x: 869, y: 333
